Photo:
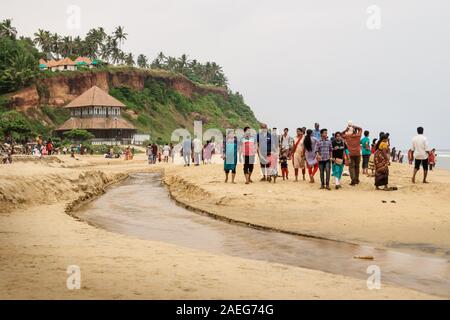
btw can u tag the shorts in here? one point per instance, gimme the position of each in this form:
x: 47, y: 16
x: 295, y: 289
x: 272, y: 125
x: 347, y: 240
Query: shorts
x: 232, y: 171
x: 365, y: 162
x: 424, y: 164
x: 298, y: 161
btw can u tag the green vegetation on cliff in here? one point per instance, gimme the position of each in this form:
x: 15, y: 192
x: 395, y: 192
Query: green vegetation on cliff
x: 159, y: 110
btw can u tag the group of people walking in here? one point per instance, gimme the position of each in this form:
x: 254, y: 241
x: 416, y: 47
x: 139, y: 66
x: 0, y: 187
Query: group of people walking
x: 195, y: 152
x: 313, y: 150
x: 157, y: 153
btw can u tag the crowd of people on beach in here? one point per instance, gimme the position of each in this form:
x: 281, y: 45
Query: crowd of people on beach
x: 349, y: 152
x: 192, y: 151
x: 312, y: 151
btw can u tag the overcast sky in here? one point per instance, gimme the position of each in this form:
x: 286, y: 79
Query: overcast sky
x: 295, y: 62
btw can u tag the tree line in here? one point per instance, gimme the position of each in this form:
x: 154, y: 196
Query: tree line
x: 97, y: 44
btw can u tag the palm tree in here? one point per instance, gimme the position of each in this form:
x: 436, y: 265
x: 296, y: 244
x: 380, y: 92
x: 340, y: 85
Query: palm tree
x: 55, y: 44
x: 182, y: 64
x: 42, y: 39
x: 105, y: 48
x: 142, y: 61
x: 66, y: 46
x: 7, y: 30
x: 78, y: 46
x: 171, y: 63
x: 159, y: 62
x: 129, y: 59
x: 120, y: 35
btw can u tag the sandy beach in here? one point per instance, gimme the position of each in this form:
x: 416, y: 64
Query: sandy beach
x: 40, y: 239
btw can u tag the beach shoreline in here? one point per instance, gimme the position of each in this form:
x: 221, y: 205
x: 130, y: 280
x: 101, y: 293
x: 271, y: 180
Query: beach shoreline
x: 40, y: 240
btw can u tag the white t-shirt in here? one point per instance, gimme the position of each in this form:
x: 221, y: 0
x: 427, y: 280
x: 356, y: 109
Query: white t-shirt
x: 197, y: 146
x: 420, y: 147
x: 285, y: 141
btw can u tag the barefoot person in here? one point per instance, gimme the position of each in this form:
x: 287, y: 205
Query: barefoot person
x: 382, y: 164
x: 432, y: 159
x: 339, y: 147
x: 249, y: 151
x: 285, y: 144
x: 187, y: 151
x: 310, y: 148
x: 264, y: 144
x: 352, y: 136
x: 197, y: 148
x: 230, y: 147
x: 372, y: 158
x: 366, y: 152
x: 324, y: 152
x: 421, y: 152
x: 298, y: 160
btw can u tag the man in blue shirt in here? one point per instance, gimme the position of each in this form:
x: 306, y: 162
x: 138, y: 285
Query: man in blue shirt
x: 316, y: 132
x: 187, y: 151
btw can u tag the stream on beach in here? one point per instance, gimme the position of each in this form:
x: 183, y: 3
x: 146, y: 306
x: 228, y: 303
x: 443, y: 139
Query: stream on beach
x: 141, y: 207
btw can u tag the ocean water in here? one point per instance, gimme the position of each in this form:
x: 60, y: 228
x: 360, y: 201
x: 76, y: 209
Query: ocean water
x: 443, y: 159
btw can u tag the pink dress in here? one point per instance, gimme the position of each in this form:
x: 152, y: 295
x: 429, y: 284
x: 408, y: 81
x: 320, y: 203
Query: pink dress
x: 273, y: 169
x: 207, y: 152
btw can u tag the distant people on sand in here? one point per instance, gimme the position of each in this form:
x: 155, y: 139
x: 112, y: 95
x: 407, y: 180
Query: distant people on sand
x: 371, y: 165
x: 249, y: 152
x: 316, y: 132
x: 197, y: 148
x: 366, y: 152
x: 187, y: 151
x: 274, y: 156
x: 264, y: 145
x: 382, y: 163
x: 339, y: 147
x: 284, y: 167
x: 324, y: 154
x: 285, y: 144
x: 172, y: 153
x: 310, y: 149
x: 421, y: 152
x: 230, y: 156
x: 208, y: 152
x: 166, y: 153
x: 352, y: 136
x: 298, y: 154
x: 342, y: 155
x: 394, y: 154
x: 49, y: 147
x: 432, y: 159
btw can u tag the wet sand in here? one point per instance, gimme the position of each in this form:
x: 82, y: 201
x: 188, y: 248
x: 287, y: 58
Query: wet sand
x: 39, y: 241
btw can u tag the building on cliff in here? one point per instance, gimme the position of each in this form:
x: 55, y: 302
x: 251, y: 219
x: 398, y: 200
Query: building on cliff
x: 100, y: 114
x: 67, y: 64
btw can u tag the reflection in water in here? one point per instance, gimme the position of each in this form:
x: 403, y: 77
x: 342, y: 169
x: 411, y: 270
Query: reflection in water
x: 141, y: 207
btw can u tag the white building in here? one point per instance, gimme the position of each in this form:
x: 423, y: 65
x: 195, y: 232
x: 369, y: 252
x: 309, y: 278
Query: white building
x: 139, y: 139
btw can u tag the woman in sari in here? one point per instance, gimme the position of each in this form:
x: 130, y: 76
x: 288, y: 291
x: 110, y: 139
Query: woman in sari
x: 382, y: 163
x: 207, y: 152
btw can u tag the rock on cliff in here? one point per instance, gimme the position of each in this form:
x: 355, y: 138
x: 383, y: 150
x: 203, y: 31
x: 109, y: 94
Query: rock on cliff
x: 59, y: 89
